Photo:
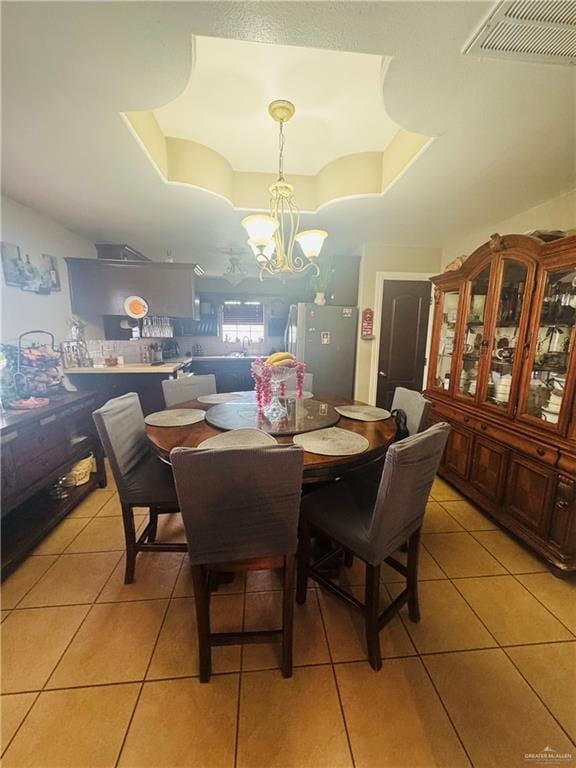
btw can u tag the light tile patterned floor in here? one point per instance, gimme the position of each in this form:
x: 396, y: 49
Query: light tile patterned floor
x: 96, y: 673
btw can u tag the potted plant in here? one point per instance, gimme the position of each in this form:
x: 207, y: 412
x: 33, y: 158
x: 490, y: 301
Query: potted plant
x: 321, y: 282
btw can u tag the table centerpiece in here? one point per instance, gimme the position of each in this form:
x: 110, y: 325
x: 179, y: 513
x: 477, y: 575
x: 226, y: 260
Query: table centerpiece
x: 270, y: 377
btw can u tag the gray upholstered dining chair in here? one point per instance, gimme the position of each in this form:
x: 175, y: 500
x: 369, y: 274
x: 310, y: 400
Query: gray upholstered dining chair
x: 372, y: 522
x: 186, y: 388
x: 414, y: 405
x: 141, y: 478
x: 240, y: 508
x: 416, y: 408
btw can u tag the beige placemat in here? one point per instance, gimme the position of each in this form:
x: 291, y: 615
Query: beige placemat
x: 222, y: 397
x: 175, y: 417
x: 362, y: 412
x: 239, y: 438
x: 333, y: 441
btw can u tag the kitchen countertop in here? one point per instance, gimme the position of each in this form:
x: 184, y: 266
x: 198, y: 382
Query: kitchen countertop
x: 168, y: 367
x: 223, y: 357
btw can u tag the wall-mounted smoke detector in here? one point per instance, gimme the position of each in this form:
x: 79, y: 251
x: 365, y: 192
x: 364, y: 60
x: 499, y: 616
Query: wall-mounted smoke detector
x: 539, y: 31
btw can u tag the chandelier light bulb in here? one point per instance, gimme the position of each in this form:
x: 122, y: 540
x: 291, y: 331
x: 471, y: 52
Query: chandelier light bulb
x: 260, y: 228
x: 311, y: 241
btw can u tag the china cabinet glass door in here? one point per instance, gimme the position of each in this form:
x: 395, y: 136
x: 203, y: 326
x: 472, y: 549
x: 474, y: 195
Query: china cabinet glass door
x: 507, y: 342
x: 551, y: 350
x: 446, y: 338
x: 474, y: 340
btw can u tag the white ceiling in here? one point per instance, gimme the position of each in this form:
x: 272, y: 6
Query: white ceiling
x: 338, y: 99
x: 505, y: 129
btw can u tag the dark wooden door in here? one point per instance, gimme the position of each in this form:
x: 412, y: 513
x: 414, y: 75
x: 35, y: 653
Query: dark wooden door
x: 403, y: 330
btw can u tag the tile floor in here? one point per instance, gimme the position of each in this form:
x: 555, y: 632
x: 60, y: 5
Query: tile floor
x: 96, y: 673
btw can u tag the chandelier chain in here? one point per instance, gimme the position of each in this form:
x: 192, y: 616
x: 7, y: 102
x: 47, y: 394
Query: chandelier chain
x: 281, y: 141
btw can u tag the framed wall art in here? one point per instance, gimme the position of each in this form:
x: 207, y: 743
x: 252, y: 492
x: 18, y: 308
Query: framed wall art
x: 36, y: 274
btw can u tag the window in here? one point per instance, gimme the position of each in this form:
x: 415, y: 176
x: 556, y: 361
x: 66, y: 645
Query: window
x: 243, y: 319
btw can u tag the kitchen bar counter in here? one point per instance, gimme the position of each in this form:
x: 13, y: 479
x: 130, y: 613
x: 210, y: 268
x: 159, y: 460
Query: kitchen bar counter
x: 169, y: 367
x: 142, y: 378
x: 231, y: 358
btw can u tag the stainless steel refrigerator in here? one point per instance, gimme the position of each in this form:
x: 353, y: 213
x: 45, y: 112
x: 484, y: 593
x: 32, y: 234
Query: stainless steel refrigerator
x: 325, y: 339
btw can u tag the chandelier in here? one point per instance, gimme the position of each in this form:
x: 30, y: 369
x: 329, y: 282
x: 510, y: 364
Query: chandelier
x: 272, y: 237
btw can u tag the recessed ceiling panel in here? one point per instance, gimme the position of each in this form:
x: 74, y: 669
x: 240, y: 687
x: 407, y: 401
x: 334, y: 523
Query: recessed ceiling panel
x: 338, y: 98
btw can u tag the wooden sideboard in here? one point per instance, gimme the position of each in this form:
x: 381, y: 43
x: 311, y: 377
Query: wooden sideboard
x: 37, y: 448
x: 503, y: 374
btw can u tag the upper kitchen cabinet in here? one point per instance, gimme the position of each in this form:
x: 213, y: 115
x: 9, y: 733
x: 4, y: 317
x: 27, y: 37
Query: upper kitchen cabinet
x: 99, y: 287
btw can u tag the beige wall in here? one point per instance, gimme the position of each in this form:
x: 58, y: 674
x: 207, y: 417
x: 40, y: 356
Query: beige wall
x: 558, y: 213
x: 35, y: 234
x: 376, y: 258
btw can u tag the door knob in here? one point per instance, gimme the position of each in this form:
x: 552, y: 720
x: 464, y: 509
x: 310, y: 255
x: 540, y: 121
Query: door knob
x: 383, y: 374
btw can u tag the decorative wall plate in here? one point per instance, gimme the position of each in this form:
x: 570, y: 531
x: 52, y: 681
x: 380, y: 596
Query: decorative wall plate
x: 136, y: 307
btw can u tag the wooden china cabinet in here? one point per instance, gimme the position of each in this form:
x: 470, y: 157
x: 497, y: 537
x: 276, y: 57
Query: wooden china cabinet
x: 503, y: 374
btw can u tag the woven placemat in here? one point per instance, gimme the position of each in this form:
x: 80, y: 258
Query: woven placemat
x: 362, y: 412
x: 333, y: 441
x: 240, y: 438
x: 175, y: 417
x: 221, y: 397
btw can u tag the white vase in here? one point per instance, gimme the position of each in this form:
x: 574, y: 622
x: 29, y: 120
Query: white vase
x: 320, y: 299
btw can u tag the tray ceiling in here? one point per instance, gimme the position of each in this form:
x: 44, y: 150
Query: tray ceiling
x: 217, y: 134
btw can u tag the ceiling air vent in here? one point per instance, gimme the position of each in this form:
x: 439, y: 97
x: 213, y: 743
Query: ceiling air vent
x: 540, y: 31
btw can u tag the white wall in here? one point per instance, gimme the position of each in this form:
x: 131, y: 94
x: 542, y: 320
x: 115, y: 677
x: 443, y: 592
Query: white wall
x: 34, y: 233
x: 378, y: 258
x: 557, y: 213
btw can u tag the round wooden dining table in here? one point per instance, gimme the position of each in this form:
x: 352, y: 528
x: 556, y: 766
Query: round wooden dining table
x: 317, y: 468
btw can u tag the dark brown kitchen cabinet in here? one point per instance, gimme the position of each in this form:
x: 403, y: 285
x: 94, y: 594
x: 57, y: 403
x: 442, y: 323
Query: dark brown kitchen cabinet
x: 7, y: 468
x: 37, y: 448
x: 231, y: 375
x: 100, y: 287
x: 503, y: 374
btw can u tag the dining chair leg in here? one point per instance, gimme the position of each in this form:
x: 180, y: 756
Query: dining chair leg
x: 130, y: 537
x: 288, y: 616
x: 153, y: 525
x: 412, y: 576
x: 202, y: 602
x: 371, y: 612
x: 303, y: 562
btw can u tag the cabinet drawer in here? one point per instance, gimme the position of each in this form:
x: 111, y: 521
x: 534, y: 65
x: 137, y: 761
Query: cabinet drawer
x: 39, y: 439
x: 31, y: 470
x: 528, y: 447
